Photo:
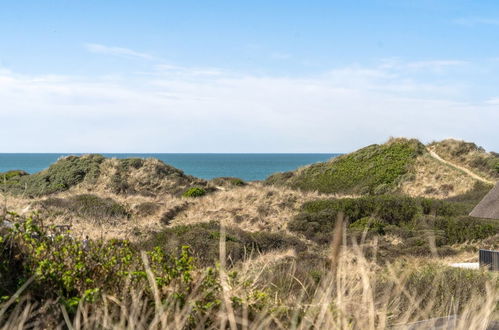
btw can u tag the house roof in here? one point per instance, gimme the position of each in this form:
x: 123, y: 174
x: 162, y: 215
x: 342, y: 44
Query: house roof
x: 489, y: 206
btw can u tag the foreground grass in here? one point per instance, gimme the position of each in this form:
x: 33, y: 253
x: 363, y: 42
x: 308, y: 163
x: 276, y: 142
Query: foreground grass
x: 113, y: 286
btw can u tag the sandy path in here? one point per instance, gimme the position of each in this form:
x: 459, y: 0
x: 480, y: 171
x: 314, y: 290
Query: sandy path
x: 464, y: 169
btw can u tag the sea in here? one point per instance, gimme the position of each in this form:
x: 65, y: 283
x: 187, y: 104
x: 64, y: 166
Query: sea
x: 249, y: 167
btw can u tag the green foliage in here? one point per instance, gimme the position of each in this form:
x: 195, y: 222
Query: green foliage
x: 60, y: 176
x: 12, y: 177
x: 135, y: 163
x: 88, y: 205
x: 194, y: 192
x: 401, y: 215
x: 66, y: 269
x: 369, y: 224
x: 462, y: 229
x: 375, y: 169
x: 204, y: 240
x: 316, y: 221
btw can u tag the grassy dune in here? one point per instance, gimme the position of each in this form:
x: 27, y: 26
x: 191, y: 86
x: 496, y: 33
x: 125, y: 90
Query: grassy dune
x: 398, y: 166
x: 362, y: 241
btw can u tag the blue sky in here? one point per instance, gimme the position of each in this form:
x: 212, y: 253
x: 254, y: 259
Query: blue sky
x: 252, y: 76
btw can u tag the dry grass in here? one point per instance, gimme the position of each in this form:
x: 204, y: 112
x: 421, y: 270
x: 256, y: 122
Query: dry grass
x: 134, y: 228
x: 356, y: 294
x: 467, y: 155
x: 253, y: 208
x: 436, y: 180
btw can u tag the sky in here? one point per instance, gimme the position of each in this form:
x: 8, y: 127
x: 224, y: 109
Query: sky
x: 246, y: 76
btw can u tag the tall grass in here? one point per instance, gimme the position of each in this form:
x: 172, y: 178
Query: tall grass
x: 356, y: 293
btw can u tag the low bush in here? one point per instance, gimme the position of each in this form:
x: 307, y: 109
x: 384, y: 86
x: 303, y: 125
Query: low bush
x: 5, y: 177
x: 462, y: 229
x: 369, y: 224
x: 204, y: 240
x: 194, y: 192
x: 60, y: 176
x: 147, y: 208
x: 65, y: 269
x: 88, y: 205
x: 413, y: 219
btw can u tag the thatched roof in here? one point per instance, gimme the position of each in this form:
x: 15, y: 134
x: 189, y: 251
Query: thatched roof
x: 489, y: 206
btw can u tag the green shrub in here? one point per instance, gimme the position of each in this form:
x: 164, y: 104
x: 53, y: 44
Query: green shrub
x: 369, y: 224
x: 131, y: 163
x: 316, y: 219
x: 88, y: 205
x: 204, y: 240
x: 63, y: 268
x: 194, y: 192
x: 12, y: 175
x: 375, y: 169
x: 60, y: 176
x: 319, y: 216
x: 462, y: 229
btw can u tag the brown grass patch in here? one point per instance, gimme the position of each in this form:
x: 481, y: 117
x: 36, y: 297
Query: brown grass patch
x: 254, y: 207
x: 434, y: 179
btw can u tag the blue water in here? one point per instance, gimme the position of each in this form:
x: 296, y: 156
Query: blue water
x: 207, y: 166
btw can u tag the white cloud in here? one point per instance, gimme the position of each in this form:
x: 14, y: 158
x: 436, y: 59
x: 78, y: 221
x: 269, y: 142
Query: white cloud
x: 191, y: 71
x: 172, y: 110
x: 431, y: 65
x: 435, y: 65
x: 117, y: 51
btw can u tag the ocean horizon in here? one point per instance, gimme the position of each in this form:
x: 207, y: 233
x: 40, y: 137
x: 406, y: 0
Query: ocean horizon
x: 247, y: 166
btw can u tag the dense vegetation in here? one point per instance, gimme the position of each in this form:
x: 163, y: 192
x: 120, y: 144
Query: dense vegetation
x: 374, y: 258
x: 194, y: 192
x: 119, y: 176
x: 85, y: 277
x: 204, y: 239
x: 375, y: 169
x: 74, y: 271
x: 87, y: 205
x: 60, y: 176
x: 419, y: 222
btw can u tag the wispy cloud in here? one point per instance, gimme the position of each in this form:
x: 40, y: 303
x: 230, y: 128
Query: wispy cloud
x: 472, y: 21
x: 337, y: 111
x: 188, y: 71
x: 117, y: 51
x: 435, y: 64
x: 432, y: 65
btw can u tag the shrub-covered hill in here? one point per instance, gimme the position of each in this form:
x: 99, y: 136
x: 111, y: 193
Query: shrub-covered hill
x: 95, y: 172
x: 398, y: 166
